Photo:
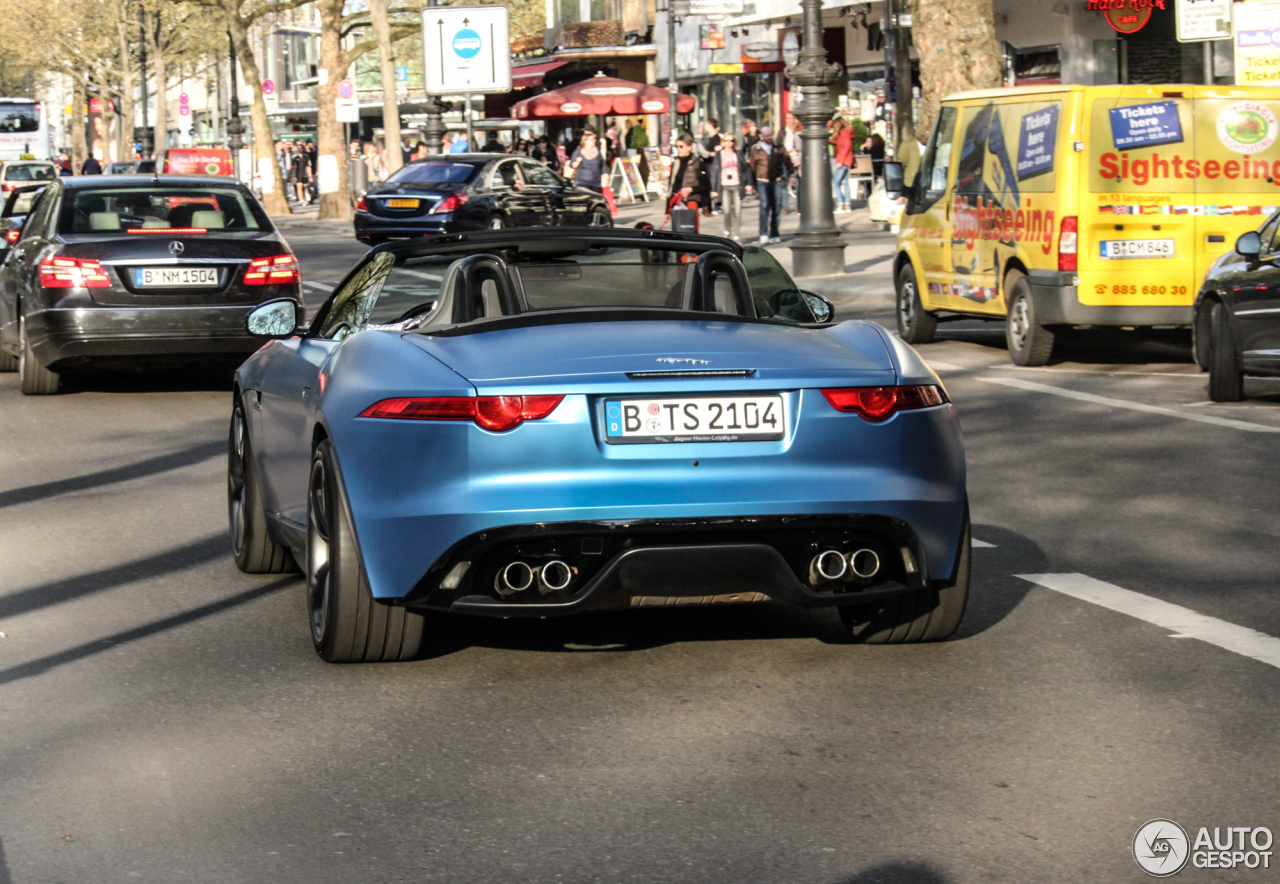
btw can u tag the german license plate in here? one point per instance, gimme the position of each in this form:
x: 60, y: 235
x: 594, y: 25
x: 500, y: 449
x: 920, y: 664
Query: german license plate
x: 402, y: 204
x: 1137, y: 248
x: 694, y: 419
x: 174, y: 277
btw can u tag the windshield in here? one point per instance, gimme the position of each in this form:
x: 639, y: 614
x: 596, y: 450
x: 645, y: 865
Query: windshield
x: 145, y: 209
x: 434, y: 173
x: 30, y: 172
x: 19, y: 118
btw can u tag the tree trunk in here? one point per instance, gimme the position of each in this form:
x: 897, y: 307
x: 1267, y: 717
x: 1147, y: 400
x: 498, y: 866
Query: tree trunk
x: 273, y: 196
x: 390, y: 106
x: 78, y: 152
x: 956, y: 40
x: 162, y: 87
x: 125, y: 149
x: 331, y: 163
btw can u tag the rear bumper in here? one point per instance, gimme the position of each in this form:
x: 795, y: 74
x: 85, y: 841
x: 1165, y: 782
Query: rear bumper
x: 1056, y: 301
x: 62, y: 337
x: 369, y: 225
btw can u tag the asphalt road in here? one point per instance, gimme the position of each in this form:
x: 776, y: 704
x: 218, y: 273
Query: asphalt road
x: 163, y: 717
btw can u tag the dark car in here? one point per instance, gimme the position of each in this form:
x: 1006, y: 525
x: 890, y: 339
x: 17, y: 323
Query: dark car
x: 1237, y: 314
x: 16, y: 207
x: 126, y: 268
x: 463, y: 192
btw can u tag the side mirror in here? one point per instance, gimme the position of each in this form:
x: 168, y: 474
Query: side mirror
x: 894, y: 180
x: 797, y: 306
x: 1249, y: 244
x: 823, y: 309
x: 274, y: 319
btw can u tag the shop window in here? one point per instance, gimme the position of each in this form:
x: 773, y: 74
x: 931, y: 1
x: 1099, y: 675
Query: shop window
x: 1037, y: 66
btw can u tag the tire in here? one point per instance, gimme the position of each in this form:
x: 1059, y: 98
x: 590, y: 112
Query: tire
x: 600, y: 218
x: 1226, y: 381
x: 250, y: 543
x: 932, y: 614
x: 33, y: 377
x: 915, y: 326
x: 347, y: 624
x: 1029, y: 342
x: 1201, y: 334
x: 496, y: 223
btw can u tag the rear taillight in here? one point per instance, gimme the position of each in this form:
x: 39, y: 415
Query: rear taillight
x: 8, y: 187
x: 13, y: 235
x: 451, y: 203
x: 491, y: 412
x: 72, y: 273
x: 880, y: 403
x: 271, y: 271
x: 1068, y: 243
x: 361, y: 205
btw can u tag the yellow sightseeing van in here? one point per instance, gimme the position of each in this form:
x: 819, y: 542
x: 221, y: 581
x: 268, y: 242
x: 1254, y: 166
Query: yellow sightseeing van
x: 1066, y: 206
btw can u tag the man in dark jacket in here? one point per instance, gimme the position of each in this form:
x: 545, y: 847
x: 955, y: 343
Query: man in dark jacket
x: 690, y: 184
x: 772, y: 168
x: 91, y: 166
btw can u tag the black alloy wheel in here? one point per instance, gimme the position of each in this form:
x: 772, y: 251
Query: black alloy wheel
x: 600, y: 218
x: 496, y: 223
x: 347, y: 624
x: 250, y: 543
x: 915, y: 326
x: 1226, y: 381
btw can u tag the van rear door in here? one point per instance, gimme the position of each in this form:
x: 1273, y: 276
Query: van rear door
x: 1137, y: 224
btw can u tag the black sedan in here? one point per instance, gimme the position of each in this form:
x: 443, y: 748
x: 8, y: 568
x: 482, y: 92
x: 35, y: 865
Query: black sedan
x: 458, y: 193
x: 1237, y: 314
x: 122, y: 268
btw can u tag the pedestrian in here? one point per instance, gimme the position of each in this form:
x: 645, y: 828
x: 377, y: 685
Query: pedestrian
x: 91, y: 166
x: 64, y: 165
x: 406, y: 150
x: 842, y: 163
x: 375, y: 163
x: 791, y: 142
x: 750, y: 135
x: 690, y: 183
x: 493, y: 145
x: 730, y: 175
x: 586, y: 166
x: 710, y: 144
x: 353, y: 149
x: 460, y: 144
x: 283, y: 159
x: 637, y: 136
x: 299, y: 173
x: 420, y: 151
x: 874, y: 145
x: 771, y: 167
x: 313, y: 161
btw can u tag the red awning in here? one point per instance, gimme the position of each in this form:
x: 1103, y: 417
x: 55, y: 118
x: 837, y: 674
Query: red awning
x: 531, y: 74
x: 600, y: 95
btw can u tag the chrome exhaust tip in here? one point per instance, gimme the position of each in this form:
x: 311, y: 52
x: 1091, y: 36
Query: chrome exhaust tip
x: 827, y: 567
x: 515, y: 577
x: 864, y: 563
x: 554, y: 576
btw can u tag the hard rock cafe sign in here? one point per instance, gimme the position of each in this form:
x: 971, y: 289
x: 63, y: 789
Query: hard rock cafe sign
x: 1126, y: 16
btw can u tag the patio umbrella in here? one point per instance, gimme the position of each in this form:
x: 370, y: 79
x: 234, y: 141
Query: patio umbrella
x: 606, y: 96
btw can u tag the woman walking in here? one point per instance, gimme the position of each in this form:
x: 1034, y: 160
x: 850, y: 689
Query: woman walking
x: 300, y: 173
x: 842, y: 140
x: 730, y: 173
x: 586, y: 166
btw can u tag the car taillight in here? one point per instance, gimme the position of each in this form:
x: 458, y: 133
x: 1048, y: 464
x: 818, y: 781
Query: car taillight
x: 450, y: 203
x: 8, y: 187
x: 1068, y: 242
x: 72, y: 273
x: 361, y: 205
x: 169, y: 230
x: 270, y: 271
x: 13, y: 235
x: 491, y: 412
x: 880, y: 403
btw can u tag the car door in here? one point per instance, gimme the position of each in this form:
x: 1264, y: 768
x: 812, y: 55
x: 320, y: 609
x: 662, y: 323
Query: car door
x: 18, y: 275
x: 506, y: 184
x: 290, y: 386
x: 1256, y: 302
x: 930, y: 206
x: 540, y: 190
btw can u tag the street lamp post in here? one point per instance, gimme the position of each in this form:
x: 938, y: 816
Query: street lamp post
x: 673, y: 90
x: 434, y: 129
x: 235, y: 127
x: 818, y: 249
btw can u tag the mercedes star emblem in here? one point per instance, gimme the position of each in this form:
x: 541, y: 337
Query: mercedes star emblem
x: 175, y: 248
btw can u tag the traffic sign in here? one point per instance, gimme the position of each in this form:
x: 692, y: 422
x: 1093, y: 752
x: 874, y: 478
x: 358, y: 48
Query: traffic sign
x: 402, y: 74
x: 346, y: 89
x: 466, y: 49
x: 715, y: 7
x: 268, y: 87
x: 1203, y: 20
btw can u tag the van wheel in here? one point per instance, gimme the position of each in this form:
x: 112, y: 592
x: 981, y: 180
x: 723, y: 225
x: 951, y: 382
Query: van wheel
x: 915, y: 326
x: 1030, y: 343
x: 1226, y: 381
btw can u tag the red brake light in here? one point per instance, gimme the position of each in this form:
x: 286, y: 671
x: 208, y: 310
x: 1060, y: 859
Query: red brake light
x: 496, y: 413
x: 450, y: 203
x: 272, y: 271
x: 361, y: 206
x: 168, y: 230
x: 880, y: 403
x: 13, y: 235
x: 72, y: 273
x: 1068, y: 242
x: 8, y: 187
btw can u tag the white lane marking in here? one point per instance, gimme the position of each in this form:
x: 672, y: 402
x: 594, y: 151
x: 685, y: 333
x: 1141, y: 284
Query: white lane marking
x: 1184, y: 622
x: 1104, y: 374
x: 1019, y: 384
x: 981, y: 544
x: 318, y: 285
x: 945, y: 366
x: 430, y: 276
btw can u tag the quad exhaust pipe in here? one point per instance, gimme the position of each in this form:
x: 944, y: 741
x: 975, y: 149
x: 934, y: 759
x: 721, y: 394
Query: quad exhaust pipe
x: 833, y: 565
x: 518, y: 576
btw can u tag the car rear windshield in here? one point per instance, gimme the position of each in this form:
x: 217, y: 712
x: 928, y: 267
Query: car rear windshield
x: 159, y: 209
x: 434, y: 173
x: 30, y: 172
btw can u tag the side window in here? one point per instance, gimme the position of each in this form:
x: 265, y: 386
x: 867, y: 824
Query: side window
x: 506, y: 176
x: 38, y: 222
x: 411, y: 289
x: 539, y: 175
x: 766, y: 277
x: 931, y: 181
x: 349, y: 311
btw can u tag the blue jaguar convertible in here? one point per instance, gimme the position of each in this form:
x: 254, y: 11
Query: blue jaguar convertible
x: 540, y: 423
